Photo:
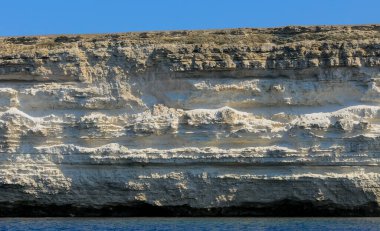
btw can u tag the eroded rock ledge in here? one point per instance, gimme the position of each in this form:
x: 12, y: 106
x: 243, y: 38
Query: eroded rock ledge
x: 280, y: 121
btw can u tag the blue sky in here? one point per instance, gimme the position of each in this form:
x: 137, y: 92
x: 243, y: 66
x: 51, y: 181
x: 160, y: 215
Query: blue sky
x: 40, y: 17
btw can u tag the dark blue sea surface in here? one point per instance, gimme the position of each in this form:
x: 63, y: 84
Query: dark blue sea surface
x: 195, y: 224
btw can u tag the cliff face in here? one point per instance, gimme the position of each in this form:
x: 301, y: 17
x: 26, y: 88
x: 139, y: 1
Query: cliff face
x: 282, y: 121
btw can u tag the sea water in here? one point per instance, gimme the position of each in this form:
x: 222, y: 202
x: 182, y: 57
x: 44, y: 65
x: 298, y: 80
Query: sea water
x: 194, y: 224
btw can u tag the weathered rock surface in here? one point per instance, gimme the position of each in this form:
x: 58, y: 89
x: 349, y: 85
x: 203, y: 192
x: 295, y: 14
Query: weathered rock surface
x: 282, y: 121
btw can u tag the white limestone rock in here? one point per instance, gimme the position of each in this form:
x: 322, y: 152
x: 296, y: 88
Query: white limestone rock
x: 226, y: 122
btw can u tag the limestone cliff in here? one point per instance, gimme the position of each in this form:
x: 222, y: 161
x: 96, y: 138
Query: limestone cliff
x: 280, y: 121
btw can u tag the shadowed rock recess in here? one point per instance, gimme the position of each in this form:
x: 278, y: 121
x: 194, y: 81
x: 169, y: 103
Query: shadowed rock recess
x: 238, y: 122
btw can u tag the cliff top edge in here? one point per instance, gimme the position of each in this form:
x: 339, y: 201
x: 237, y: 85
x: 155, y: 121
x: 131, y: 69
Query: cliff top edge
x: 277, y: 35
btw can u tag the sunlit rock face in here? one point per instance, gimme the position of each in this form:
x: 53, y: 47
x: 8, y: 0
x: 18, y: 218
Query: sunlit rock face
x: 281, y: 121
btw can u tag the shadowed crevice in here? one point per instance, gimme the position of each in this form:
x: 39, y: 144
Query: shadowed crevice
x: 283, y: 208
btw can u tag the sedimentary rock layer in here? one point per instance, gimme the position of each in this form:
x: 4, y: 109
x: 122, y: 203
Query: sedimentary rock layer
x: 280, y: 121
